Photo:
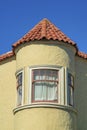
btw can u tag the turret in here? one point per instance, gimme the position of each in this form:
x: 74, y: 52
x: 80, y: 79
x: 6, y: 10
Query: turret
x: 45, y: 73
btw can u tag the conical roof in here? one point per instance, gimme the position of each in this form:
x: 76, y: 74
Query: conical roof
x: 44, y: 29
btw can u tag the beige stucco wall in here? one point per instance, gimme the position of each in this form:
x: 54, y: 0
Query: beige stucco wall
x: 81, y: 92
x: 40, y: 53
x: 7, y: 94
x: 45, y: 53
x: 45, y: 119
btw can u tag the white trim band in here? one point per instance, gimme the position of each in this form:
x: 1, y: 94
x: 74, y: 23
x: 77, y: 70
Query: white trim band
x: 45, y: 105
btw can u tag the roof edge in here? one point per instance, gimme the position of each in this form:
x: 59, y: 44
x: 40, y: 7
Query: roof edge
x: 82, y: 55
x: 12, y: 53
x: 6, y: 55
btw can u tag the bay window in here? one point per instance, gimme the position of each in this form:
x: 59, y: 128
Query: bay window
x: 45, y: 85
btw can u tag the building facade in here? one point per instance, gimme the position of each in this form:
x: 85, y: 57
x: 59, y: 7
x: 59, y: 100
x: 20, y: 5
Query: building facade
x: 43, y: 82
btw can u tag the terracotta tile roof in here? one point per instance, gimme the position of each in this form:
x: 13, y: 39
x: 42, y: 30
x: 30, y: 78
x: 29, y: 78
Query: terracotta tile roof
x: 81, y: 54
x: 6, y: 55
x: 44, y: 29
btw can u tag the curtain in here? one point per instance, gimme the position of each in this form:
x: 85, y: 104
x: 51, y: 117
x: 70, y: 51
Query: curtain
x: 44, y: 86
x: 52, y: 91
x: 45, y: 91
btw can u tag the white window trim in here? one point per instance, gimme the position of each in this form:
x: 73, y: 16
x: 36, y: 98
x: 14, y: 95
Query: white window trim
x: 66, y: 87
x: 40, y: 105
x: 22, y: 103
x: 61, y: 88
x: 29, y: 86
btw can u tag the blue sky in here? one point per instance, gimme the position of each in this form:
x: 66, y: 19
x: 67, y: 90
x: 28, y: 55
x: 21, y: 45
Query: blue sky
x: 17, y: 17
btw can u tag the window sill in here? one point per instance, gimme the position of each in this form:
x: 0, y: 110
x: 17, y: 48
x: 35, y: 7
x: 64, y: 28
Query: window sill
x: 45, y: 105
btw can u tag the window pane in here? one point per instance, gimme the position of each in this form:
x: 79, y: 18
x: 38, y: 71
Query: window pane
x: 71, y: 96
x: 54, y: 75
x: 45, y: 74
x: 36, y: 74
x: 40, y: 91
x: 51, y: 75
x: 44, y: 87
x: 48, y: 75
x: 71, y: 88
x: 42, y: 74
x: 19, y: 79
x: 70, y: 80
x: 52, y: 91
x: 19, y: 90
x: 45, y: 91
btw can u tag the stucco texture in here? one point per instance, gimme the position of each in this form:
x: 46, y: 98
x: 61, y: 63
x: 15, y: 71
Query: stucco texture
x: 45, y: 119
x: 43, y: 53
x: 7, y: 94
x: 40, y: 54
x: 81, y: 92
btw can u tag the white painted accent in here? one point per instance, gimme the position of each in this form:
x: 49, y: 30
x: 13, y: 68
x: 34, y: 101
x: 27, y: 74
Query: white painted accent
x: 28, y: 76
x: 29, y: 86
x: 45, y: 105
x: 23, y: 79
x: 66, y: 87
x: 62, y: 86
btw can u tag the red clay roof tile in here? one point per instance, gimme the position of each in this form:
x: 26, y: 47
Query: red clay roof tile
x: 81, y: 54
x: 44, y: 29
x: 6, y: 55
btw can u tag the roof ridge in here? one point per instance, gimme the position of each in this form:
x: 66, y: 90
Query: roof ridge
x: 43, y: 32
x: 44, y: 29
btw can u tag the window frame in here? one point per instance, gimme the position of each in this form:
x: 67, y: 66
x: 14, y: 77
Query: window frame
x: 63, y: 88
x: 30, y: 80
x: 18, y: 73
x: 71, y: 88
x: 44, y: 80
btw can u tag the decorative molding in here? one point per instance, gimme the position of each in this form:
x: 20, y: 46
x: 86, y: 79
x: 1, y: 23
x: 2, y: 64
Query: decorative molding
x: 45, y: 105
